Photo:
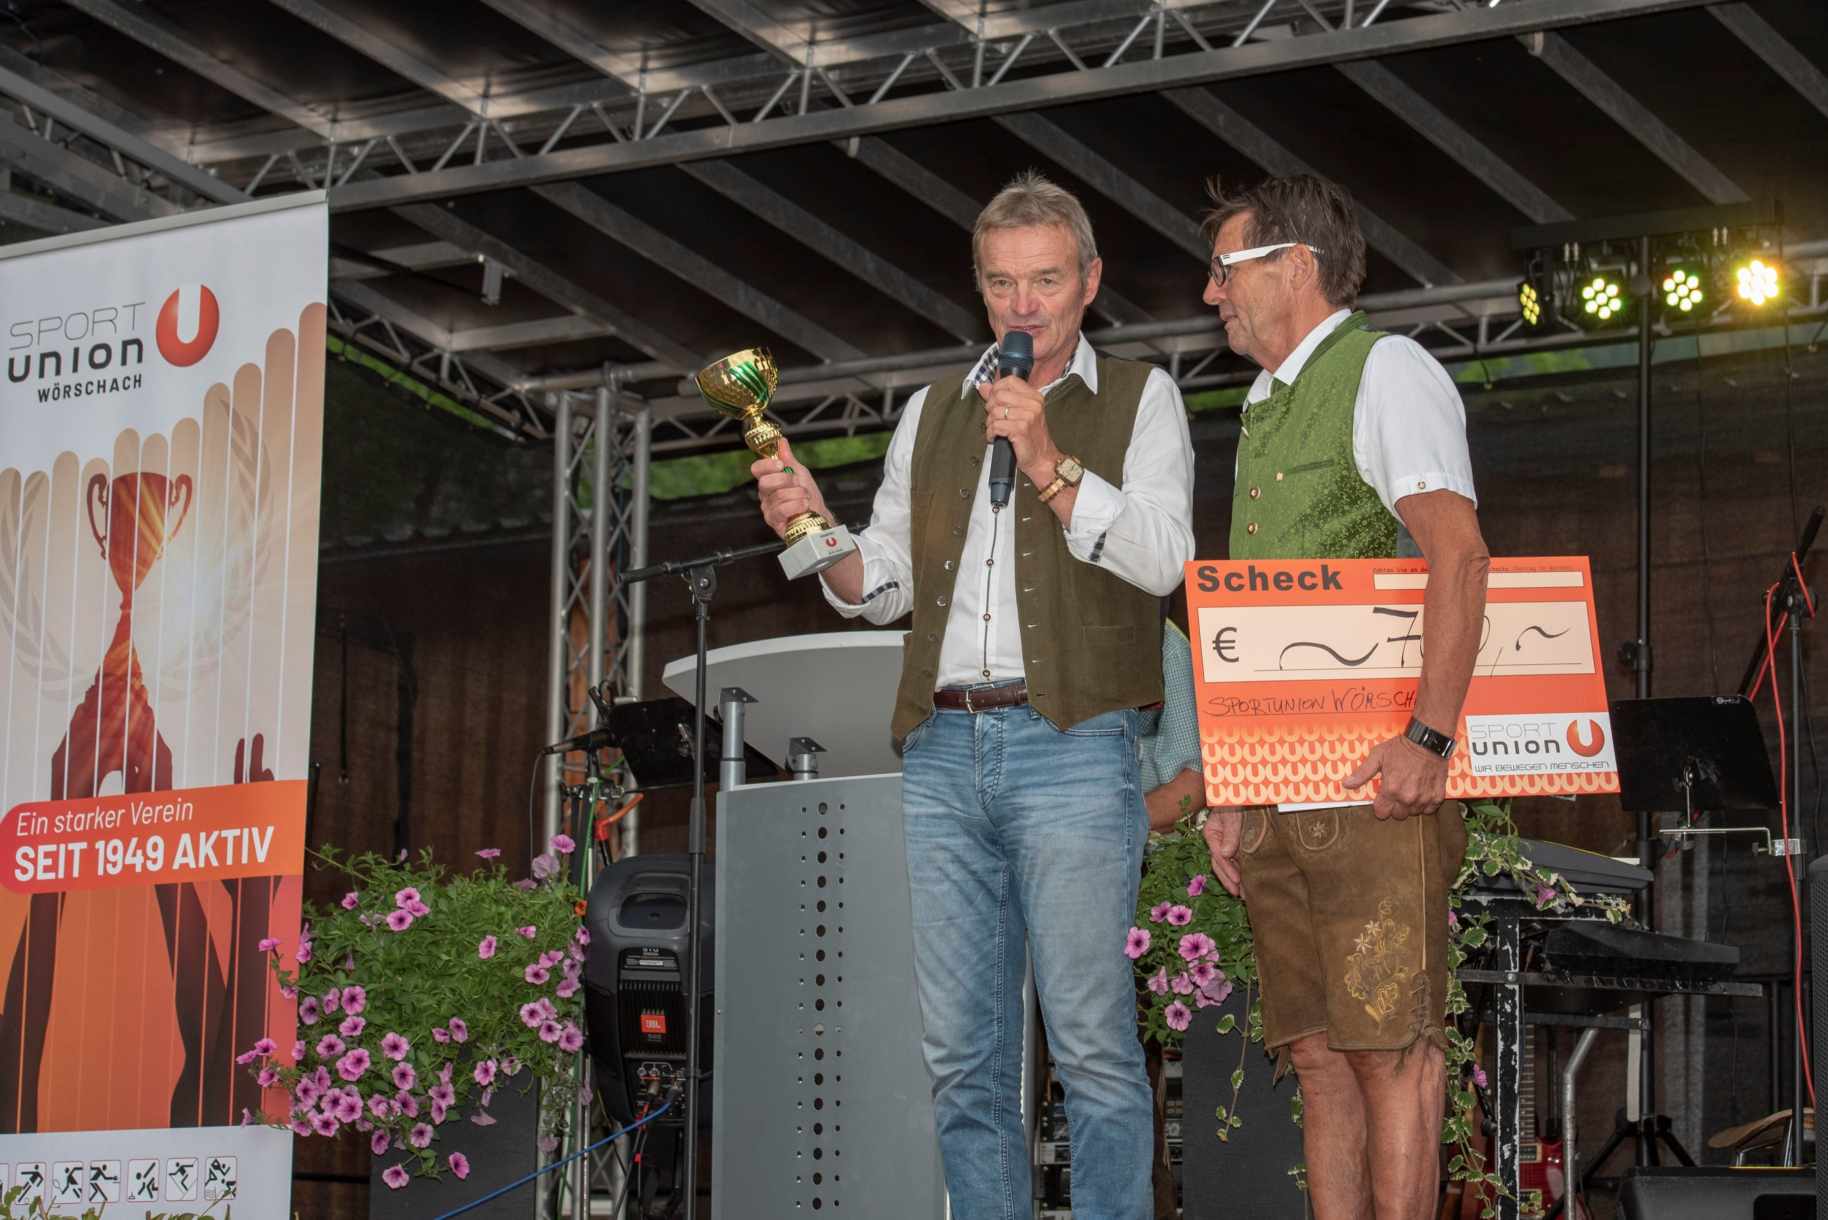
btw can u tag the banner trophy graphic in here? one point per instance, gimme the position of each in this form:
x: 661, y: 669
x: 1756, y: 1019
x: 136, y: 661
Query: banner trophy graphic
x: 160, y: 463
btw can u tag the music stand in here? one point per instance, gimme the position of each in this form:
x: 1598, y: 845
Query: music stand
x: 655, y: 737
x: 1698, y: 752
x: 1703, y: 752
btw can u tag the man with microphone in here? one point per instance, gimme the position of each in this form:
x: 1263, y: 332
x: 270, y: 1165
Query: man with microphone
x: 1036, y: 639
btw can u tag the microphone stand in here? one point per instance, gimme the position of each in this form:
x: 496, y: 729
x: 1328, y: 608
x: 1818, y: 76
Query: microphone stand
x: 1793, y: 596
x: 701, y: 580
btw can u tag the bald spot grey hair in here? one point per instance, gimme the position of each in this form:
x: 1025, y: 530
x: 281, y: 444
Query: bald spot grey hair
x: 1029, y: 201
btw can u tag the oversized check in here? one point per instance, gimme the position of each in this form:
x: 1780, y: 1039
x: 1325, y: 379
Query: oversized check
x: 1301, y: 666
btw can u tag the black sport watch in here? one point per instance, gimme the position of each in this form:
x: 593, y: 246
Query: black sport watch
x: 1430, y: 740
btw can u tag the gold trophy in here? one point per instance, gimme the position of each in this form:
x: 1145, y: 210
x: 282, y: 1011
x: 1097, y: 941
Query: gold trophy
x: 739, y: 386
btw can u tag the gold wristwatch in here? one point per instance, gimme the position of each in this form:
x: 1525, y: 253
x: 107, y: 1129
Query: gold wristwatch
x: 1067, y: 473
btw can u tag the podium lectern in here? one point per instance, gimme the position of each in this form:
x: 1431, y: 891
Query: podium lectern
x: 819, y: 1096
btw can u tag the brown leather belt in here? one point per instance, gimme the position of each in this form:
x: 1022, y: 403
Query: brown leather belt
x: 981, y: 698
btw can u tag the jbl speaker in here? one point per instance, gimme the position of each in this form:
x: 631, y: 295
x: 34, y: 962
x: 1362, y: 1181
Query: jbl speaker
x: 1818, y: 970
x: 1717, y: 1193
x: 1251, y: 1173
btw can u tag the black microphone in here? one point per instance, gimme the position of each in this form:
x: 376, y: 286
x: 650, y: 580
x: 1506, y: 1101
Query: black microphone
x: 1015, y: 357
x: 589, y: 742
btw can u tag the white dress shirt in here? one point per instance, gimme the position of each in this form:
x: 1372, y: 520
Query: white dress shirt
x: 1140, y: 531
x: 1408, y: 426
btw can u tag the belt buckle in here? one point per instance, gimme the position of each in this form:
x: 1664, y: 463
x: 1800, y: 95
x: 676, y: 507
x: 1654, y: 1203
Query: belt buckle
x: 968, y: 706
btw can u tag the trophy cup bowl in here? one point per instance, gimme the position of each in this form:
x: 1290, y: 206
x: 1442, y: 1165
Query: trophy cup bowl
x: 138, y: 509
x: 739, y: 386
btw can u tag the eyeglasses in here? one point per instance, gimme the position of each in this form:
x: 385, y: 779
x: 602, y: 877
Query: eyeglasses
x: 1221, y: 264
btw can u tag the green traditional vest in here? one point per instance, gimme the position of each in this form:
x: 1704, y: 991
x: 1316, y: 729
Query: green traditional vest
x: 1091, y: 642
x: 1298, y: 493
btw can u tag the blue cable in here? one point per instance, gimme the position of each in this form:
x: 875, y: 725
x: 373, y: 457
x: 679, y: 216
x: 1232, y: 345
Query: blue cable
x: 522, y: 1181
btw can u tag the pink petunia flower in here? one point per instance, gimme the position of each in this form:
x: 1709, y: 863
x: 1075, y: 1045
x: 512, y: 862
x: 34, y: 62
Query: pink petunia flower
x: 460, y: 1031
x: 399, y: 921
x: 1197, y: 886
x: 482, y: 1118
x: 330, y: 1046
x: 550, y: 1031
x: 439, y: 1110
x: 442, y: 1093
x: 571, y: 1041
x: 531, y: 1014
x: 490, y: 853
x: 394, y: 1046
x: 536, y: 974
x: 1180, y: 916
x: 304, y: 950
x: 460, y: 1165
x: 406, y: 897
x: 288, y: 991
x: 267, y: 1078
x: 404, y: 1077
x: 545, y: 865
x: 1203, y: 973
x: 355, y: 999
x: 325, y: 1124
x: 408, y: 1104
x: 378, y: 1142
x: 308, y: 1011
x: 1180, y: 984
x: 1453, y: 920
x: 298, y: 1051
x: 1158, y: 982
x: 529, y: 931
x: 333, y: 999
x: 351, y: 900
x: 583, y: 935
x: 269, y: 943
x: 348, y: 1107
x: 1216, y: 991
x: 440, y: 1035
x: 510, y: 1066
x: 528, y: 884
x: 551, y: 958
x: 353, y: 1065
x: 420, y: 1136
x: 563, y: 844
x: 352, y: 1027
x: 484, y: 1073
x: 1178, y: 1016
x: 381, y: 1107
x: 1195, y: 945
x: 246, y: 1057
x: 395, y: 1176
x: 485, y: 949
x: 567, y: 989
x: 418, y: 910
x: 1159, y: 912
x: 1136, y: 944
x: 1479, y: 1076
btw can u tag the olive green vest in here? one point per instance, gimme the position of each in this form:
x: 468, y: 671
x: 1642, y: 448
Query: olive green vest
x: 1299, y: 494
x: 1091, y: 642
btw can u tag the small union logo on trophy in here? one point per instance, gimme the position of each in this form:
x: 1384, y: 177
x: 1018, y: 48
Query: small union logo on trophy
x: 739, y: 386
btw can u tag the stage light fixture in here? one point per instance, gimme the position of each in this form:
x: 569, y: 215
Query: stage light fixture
x: 1601, y: 298
x: 1757, y: 281
x: 1530, y: 303
x: 1682, y: 290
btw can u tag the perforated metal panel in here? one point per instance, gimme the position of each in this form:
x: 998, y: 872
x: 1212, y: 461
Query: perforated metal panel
x: 819, y: 1098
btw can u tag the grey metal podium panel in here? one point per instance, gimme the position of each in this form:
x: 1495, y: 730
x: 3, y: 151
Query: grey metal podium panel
x: 819, y: 1098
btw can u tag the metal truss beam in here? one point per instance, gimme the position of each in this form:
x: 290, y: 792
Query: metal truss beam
x: 544, y: 23
x: 1776, y: 50
x: 1052, y: 141
x: 45, y: 217
x: 401, y: 61
x: 1058, y: 88
x: 78, y: 177
x: 790, y: 218
x: 1635, y: 117
x: 925, y: 186
x: 445, y: 224
x: 1467, y: 151
x: 1227, y: 124
x: 158, y: 36
x: 702, y: 273
x: 419, y: 256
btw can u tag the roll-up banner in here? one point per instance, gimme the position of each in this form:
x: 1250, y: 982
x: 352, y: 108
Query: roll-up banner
x: 161, y: 443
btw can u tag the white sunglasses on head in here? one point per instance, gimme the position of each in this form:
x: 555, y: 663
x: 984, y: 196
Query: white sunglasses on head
x: 1221, y: 264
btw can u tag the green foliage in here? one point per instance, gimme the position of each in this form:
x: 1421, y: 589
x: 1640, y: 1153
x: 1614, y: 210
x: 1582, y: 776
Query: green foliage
x: 479, y: 990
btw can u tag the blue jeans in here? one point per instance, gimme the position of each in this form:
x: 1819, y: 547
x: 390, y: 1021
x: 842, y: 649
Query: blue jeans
x: 1024, y: 838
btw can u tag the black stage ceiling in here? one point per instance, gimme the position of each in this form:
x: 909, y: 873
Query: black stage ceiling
x: 539, y: 193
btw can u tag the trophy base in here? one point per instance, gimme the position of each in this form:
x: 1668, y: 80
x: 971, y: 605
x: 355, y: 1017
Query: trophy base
x: 816, y: 552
